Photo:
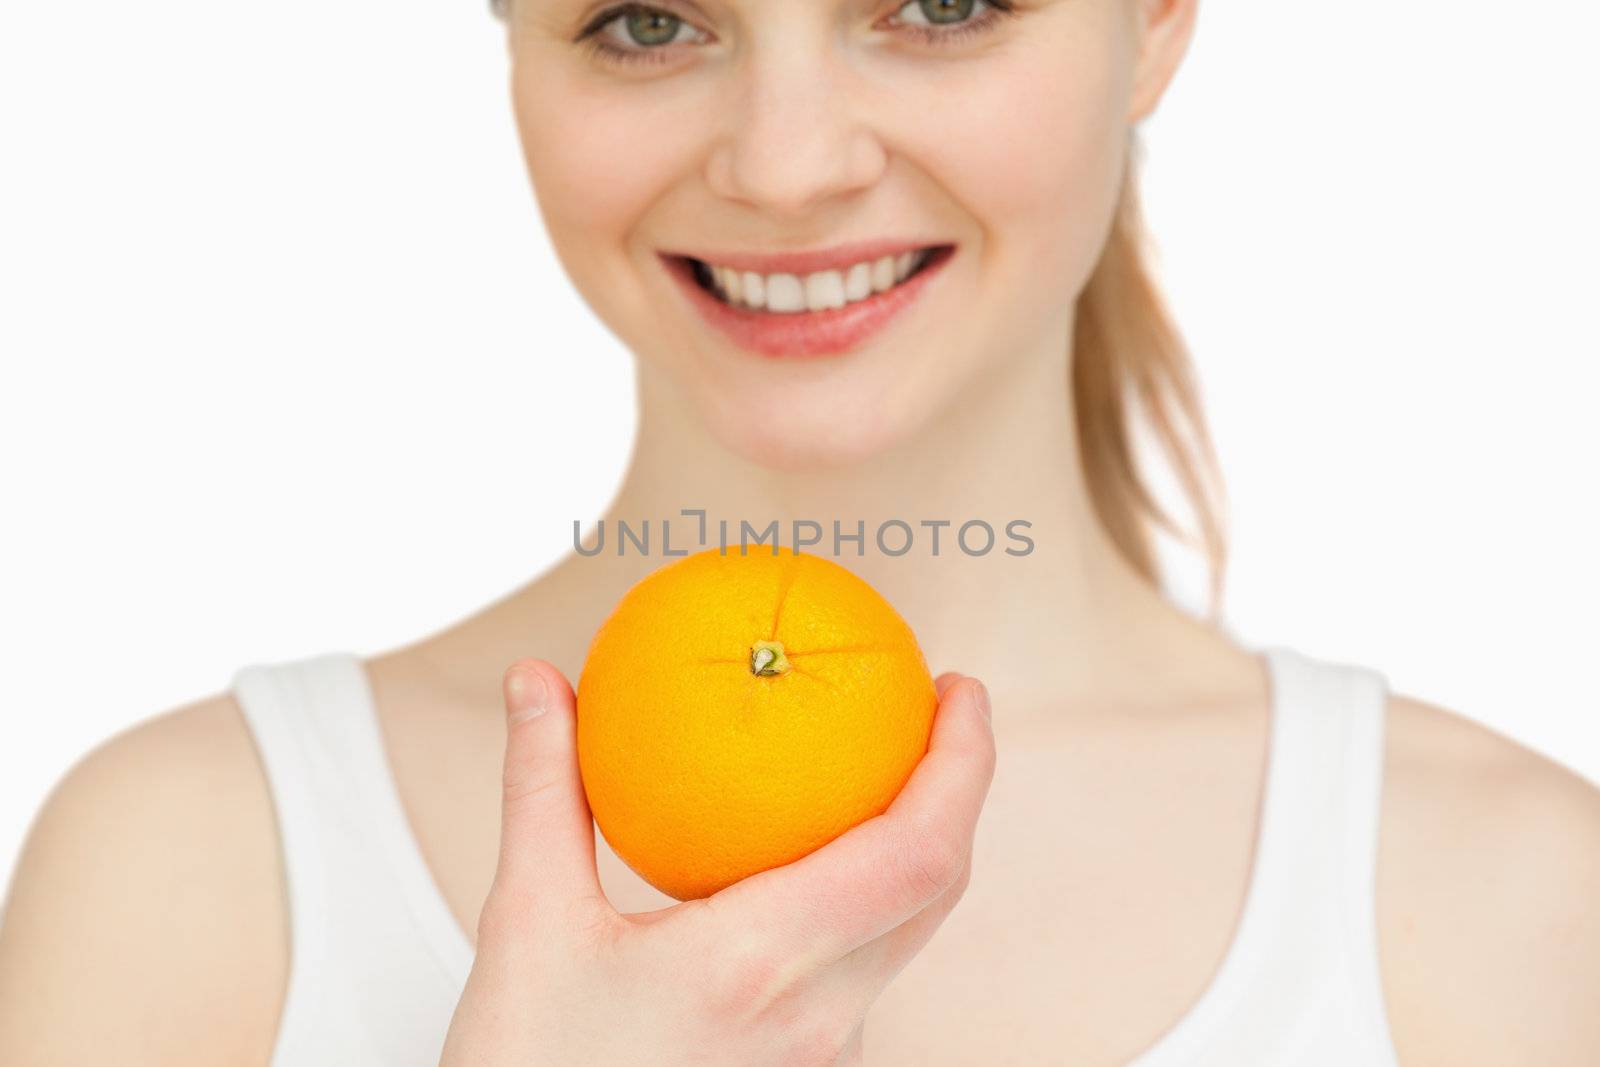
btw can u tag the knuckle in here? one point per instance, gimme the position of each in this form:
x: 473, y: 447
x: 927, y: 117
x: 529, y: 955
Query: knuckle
x: 747, y: 979
x: 586, y: 921
x: 526, y: 790
x: 503, y: 926
x: 930, y: 856
x: 952, y: 896
x: 966, y: 877
x: 819, y: 1043
x: 494, y: 927
x: 513, y: 918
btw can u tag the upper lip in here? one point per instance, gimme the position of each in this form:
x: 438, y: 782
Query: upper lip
x: 835, y: 257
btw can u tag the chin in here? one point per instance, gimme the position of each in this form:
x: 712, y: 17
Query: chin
x: 803, y: 437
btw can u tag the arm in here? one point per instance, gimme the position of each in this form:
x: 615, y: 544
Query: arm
x: 144, y: 921
x: 1489, y: 898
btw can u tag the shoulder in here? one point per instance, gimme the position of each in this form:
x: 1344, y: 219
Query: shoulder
x: 1488, y: 883
x: 148, y: 889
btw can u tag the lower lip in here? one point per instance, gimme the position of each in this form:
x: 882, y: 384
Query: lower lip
x: 806, y: 333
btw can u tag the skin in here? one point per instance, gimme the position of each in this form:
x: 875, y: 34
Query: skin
x: 1489, y: 855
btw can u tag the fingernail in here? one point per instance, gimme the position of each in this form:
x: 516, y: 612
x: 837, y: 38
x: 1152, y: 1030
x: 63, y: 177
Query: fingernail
x: 526, y: 695
x: 982, y: 697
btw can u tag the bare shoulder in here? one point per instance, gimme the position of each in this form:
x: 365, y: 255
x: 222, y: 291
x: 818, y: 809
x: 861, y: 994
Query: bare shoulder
x: 1488, y: 897
x: 145, y: 913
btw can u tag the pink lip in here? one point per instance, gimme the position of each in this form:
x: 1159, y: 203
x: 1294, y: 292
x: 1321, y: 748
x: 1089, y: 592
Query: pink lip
x: 802, y: 263
x: 806, y: 333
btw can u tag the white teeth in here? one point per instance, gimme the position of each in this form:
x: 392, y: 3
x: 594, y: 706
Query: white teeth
x: 819, y: 291
x: 858, y: 283
x: 754, y: 288
x: 824, y: 290
x: 883, y: 274
x: 785, y: 293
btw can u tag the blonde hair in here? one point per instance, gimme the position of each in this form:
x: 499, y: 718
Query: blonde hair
x: 1130, y: 360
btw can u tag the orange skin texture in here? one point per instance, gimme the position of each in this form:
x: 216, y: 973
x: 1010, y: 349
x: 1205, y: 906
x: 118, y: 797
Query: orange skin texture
x: 700, y: 772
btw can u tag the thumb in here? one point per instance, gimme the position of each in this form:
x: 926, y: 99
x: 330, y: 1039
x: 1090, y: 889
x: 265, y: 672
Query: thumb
x: 546, y: 830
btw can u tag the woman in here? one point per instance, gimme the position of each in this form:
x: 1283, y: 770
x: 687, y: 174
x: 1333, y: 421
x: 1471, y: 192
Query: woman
x: 1160, y: 848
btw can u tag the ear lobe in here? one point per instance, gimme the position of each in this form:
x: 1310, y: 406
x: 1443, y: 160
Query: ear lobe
x: 1165, y: 28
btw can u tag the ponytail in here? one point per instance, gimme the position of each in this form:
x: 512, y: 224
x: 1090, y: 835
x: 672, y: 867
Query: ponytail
x: 1128, y: 359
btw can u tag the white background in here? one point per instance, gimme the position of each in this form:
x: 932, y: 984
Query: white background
x: 275, y: 301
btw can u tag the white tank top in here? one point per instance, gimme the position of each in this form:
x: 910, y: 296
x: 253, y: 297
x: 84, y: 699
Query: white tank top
x: 378, y: 960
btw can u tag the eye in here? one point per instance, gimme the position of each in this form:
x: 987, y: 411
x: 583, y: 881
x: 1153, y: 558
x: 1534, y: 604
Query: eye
x: 942, y: 21
x: 631, y: 33
x: 635, y: 33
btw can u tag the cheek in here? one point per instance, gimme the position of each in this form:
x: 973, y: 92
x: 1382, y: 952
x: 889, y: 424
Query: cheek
x: 1033, y: 146
x: 599, y: 154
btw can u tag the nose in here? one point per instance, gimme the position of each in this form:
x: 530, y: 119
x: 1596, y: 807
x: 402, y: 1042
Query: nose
x: 796, y: 131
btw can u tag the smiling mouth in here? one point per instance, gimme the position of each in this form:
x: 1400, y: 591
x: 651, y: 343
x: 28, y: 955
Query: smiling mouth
x: 825, y: 290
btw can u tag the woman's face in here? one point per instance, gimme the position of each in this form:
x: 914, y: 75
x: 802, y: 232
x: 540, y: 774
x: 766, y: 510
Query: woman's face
x: 738, y: 131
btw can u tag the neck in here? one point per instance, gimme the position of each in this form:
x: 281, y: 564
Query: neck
x: 1062, y: 618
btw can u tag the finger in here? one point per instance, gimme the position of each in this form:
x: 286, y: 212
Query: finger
x: 851, y: 1055
x: 648, y: 918
x: 547, y: 860
x: 869, y: 969
x: 945, y: 681
x: 879, y: 873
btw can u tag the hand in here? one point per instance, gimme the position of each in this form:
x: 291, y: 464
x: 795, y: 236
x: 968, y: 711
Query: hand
x: 779, y: 968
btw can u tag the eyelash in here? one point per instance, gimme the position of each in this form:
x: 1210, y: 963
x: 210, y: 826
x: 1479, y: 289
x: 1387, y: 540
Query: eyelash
x: 590, y: 36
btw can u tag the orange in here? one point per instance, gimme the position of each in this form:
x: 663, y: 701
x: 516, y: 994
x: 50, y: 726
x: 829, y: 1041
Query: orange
x: 740, y: 709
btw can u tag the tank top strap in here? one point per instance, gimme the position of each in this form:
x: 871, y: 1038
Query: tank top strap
x: 370, y: 967
x: 276, y: 700
x: 1325, y: 775
x: 1319, y: 831
x: 1299, y: 983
